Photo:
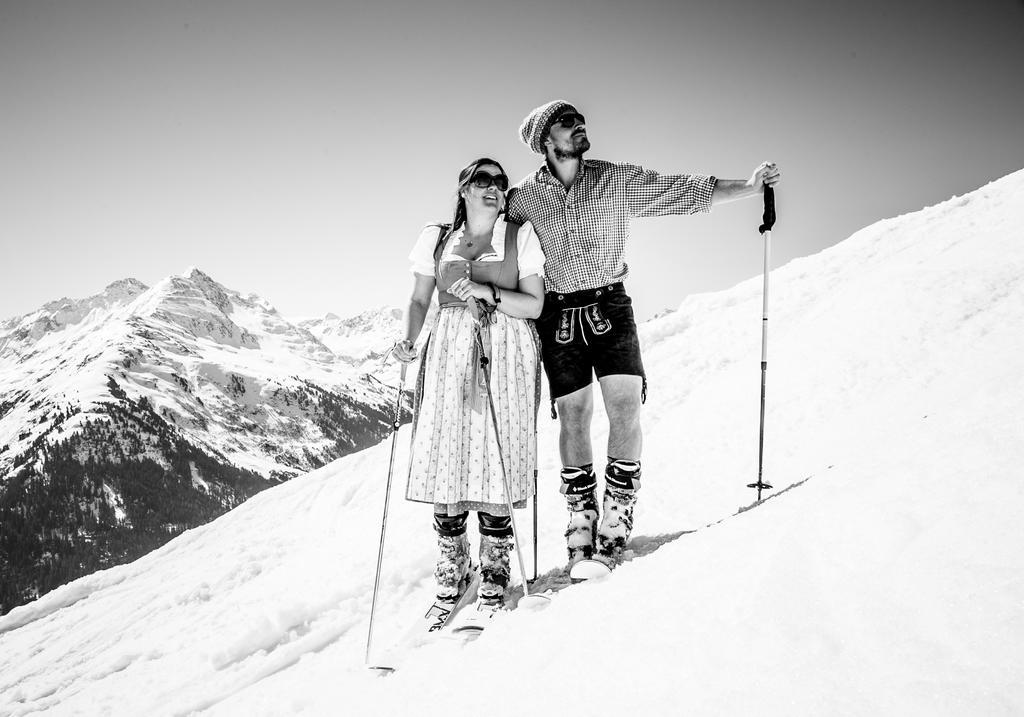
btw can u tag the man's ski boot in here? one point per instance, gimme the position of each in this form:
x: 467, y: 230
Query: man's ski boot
x: 579, y: 486
x: 453, y: 563
x: 622, y: 481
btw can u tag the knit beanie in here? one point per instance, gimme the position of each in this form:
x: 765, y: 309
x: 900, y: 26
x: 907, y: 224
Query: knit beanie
x: 535, y: 127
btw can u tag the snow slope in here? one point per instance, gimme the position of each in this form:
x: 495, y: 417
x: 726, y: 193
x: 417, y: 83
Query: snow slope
x: 885, y: 575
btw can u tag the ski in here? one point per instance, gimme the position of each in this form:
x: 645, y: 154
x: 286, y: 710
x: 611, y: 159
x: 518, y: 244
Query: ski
x: 438, y: 616
x: 473, y: 622
x: 441, y: 612
x: 588, y: 569
x: 463, y: 619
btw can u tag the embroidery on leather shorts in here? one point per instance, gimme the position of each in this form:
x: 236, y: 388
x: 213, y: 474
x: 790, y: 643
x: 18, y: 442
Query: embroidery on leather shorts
x: 566, y: 329
x: 598, y: 323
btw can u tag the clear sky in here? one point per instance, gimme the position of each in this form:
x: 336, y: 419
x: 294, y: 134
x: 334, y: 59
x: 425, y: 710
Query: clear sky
x: 295, y: 149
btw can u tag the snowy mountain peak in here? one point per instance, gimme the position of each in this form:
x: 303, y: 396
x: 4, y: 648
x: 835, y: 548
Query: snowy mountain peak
x: 212, y: 290
x: 66, y: 311
x: 128, y: 288
x: 19, y: 333
x: 362, y: 339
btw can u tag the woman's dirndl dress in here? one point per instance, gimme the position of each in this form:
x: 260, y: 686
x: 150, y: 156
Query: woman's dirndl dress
x: 454, y: 461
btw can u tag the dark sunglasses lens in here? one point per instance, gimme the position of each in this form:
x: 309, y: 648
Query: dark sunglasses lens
x: 483, y: 180
x: 569, y: 119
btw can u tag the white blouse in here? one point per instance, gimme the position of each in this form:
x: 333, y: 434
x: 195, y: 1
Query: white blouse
x: 531, y: 258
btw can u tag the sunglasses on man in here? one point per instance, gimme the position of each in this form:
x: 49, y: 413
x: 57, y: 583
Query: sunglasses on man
x: 569, y: 119
x: 484, y: 179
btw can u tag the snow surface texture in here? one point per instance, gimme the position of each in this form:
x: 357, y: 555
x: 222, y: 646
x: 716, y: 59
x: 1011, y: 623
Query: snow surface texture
x: 884, y: 576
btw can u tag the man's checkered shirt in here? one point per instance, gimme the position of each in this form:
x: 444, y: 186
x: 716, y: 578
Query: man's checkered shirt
x: 583, y: 231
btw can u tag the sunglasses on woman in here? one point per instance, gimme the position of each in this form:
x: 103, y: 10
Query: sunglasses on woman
x: 483, y: 180
x: 569, y: 119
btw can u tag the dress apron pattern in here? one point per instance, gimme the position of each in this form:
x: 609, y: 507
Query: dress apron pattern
x: 454, y: 462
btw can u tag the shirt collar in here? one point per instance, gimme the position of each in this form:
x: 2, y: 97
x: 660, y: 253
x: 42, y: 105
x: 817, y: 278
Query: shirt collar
x: 544, y: 173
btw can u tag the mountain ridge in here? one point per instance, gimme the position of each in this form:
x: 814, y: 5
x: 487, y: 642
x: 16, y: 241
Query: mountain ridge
x: 189, y: 387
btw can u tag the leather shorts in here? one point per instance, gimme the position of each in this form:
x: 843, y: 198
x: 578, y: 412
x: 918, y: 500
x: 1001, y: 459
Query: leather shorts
x: 588, y: 333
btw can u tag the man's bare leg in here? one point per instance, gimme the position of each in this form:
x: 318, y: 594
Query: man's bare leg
x: 621, y: 395
x: 575, y: 412
x: 579, y: 484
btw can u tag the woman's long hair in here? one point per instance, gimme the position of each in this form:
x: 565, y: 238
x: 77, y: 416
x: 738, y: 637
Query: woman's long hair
x: 464, y: 176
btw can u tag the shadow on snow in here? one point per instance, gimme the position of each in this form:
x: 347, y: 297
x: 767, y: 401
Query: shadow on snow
x: 640, y: 546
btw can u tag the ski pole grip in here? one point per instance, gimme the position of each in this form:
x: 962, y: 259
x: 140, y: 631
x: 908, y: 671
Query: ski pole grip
x: 768, y: 218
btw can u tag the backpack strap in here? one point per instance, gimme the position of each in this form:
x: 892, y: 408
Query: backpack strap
x: 511, y: 257
x: 508, y: 202
x: 442, y: 234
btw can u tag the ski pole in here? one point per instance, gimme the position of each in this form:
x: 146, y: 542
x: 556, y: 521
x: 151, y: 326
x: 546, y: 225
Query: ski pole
x: 536, y: 409
x: 387, y: 497
x: 534, y: 523
x: 484, y: 361
x: 767, y: 222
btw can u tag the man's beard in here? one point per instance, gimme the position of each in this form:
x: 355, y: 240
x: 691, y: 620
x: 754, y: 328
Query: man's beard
x: 576, y: 152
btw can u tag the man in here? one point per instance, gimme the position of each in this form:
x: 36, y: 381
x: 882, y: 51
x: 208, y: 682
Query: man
x: 581, y: 209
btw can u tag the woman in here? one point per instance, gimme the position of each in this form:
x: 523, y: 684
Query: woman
x: 489, y: 279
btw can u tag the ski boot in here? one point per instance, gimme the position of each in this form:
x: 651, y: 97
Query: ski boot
x: 495, y: 570
x: 622, y: 481
x: 579, y: 486
x: 453, y: 563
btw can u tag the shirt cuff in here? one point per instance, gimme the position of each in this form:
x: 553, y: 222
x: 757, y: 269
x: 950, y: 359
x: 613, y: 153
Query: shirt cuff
x: 703, y: 191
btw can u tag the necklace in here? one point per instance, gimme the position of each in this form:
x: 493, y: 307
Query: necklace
x: 469, y: 242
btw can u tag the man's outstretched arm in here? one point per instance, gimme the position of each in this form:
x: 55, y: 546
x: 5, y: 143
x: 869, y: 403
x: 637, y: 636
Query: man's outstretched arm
x: 727, y: 190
